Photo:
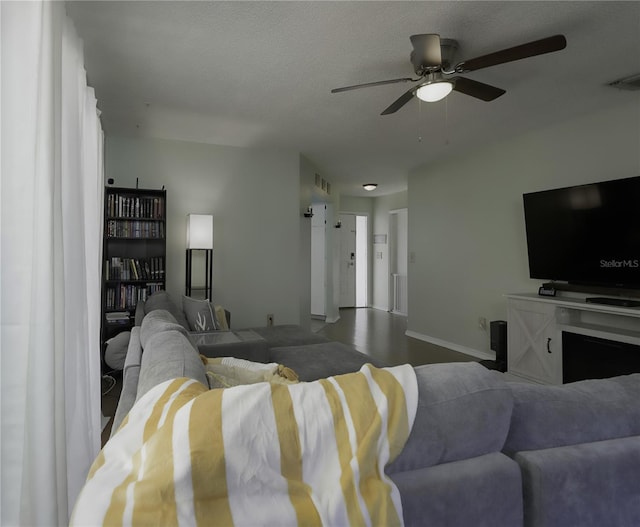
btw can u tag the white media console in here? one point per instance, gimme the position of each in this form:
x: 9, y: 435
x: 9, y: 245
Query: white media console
x: 535, y: 326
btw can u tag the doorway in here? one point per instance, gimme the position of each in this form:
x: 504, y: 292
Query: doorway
x: 398, y: 268
x: 354, y: 268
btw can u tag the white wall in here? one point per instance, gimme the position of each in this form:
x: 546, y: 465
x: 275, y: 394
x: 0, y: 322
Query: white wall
x: 315, y: 196
x: 254, y: 196
x: 466, y: 221
x: 307, y: 183
x: 318, y: 261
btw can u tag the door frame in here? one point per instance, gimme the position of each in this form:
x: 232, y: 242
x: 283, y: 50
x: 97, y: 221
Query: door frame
x: 368, y: 266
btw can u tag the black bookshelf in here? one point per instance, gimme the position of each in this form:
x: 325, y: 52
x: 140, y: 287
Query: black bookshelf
x: 134, y: 253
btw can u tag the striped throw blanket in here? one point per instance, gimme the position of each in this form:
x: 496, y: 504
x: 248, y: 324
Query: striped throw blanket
x: 263, y: 454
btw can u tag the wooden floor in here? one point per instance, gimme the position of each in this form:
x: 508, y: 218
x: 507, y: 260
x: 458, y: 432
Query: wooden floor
x: 382, y: 335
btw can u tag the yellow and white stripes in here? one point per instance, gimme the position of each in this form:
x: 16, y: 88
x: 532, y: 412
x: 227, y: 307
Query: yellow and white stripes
x: 262, y: 454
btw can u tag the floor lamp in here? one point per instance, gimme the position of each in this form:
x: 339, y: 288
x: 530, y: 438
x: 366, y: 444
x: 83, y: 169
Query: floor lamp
x: 200, y: 238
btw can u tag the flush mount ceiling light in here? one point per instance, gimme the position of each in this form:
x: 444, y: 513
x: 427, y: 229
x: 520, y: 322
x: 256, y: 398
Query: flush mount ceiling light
x: 434, y: 91
x: 370, y: 186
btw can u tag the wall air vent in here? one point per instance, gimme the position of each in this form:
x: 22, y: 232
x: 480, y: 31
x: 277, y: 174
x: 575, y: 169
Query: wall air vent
x: 323, y: 184
x: 628, y: 83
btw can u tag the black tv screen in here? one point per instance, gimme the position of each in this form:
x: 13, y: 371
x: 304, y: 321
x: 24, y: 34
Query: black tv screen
x: 587, y: 234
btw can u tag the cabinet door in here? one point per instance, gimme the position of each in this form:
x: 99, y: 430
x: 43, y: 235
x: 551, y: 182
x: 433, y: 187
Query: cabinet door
x: 534, y: 343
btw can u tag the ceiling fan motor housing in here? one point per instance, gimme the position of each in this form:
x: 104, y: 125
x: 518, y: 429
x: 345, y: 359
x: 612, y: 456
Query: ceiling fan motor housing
x: 448, y: 50
x: 431, y: 53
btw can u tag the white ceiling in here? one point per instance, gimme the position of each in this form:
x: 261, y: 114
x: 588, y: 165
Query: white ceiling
x: 259, y: 74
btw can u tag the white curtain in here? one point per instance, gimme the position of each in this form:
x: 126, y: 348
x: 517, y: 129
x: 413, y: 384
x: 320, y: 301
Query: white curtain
x: 51, y: 201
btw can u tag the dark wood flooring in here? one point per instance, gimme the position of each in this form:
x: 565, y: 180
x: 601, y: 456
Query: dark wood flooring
x: 382, y: 335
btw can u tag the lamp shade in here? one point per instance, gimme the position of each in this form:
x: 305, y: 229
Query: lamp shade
x: 199, y: 231
x: 434, y: 91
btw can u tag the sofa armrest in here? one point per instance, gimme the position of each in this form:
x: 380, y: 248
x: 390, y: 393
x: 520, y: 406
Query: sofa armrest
x: 167, y: 355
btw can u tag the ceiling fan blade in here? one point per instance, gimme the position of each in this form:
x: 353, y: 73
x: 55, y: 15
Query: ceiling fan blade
x: 426, y: 51
x: 530, y: 49
x: 369, y: 84
x: 399, y: 102
x: 476, y: 89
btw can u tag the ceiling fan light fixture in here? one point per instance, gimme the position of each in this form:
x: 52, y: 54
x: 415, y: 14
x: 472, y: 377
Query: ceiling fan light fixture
x: 434, y: 91
x: 370, y: 186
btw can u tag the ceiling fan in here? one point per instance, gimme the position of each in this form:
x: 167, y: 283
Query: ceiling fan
x: 432, y: 60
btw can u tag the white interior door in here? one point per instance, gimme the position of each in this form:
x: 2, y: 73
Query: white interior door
x: 347, y: 260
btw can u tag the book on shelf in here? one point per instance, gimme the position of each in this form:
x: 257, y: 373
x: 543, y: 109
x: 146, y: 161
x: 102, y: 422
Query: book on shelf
x: 117, y: 317
x: 128, y: 269
x: 125, y: 206
x: 127, y: 296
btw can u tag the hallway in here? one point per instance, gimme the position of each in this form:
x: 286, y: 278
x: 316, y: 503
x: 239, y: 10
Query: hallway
x: 382, y: 335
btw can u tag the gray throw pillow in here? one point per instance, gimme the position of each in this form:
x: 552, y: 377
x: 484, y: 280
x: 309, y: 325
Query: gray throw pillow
x: 200, y: 314
x: 116, y: 351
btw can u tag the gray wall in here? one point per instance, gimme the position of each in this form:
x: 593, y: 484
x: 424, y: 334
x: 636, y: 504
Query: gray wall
x: 466, y: 221
x: 254, y: 196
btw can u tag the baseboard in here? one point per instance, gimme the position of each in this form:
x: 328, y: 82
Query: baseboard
x: 332, y: 320
x: 380, y: 308
x: 451, y: 345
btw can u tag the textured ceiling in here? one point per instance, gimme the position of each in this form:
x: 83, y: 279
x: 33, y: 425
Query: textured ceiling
x: 259, y: 74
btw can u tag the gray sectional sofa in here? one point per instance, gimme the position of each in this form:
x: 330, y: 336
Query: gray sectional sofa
x: 482, y: 452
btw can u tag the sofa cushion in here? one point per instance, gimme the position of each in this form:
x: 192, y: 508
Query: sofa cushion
x: 169, y: 355
x: 200, y: 314
x: 228, y: 344
x: 590, y: 485
x: 158, y: 321
x: 578, y: 412
x: 464, y: 411
x: 318, y: 361
x: 484, y: 491
x: 162, y: 300
x: 288, y: 335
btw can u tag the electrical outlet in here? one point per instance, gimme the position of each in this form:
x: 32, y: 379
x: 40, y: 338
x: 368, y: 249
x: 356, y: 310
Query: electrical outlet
x: 270, y: 320
x: 482, y: 323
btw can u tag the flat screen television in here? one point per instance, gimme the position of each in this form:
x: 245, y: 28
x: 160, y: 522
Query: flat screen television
x: 587, y: 234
